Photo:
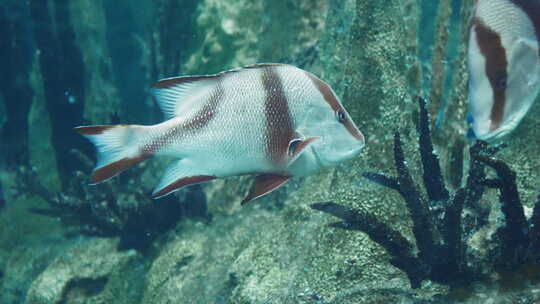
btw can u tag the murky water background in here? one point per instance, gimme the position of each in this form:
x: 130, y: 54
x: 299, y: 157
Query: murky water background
x: 68, y: 63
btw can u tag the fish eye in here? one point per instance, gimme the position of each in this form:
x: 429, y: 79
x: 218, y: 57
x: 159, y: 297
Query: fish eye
x: 341, y: 117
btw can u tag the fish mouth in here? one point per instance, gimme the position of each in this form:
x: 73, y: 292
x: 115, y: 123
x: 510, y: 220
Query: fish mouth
x: 322, y: 163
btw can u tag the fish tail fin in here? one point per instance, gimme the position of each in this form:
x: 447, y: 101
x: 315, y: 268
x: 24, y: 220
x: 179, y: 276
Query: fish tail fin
x: 117, y: 146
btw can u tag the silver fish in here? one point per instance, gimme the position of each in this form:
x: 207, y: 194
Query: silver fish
x: 272, y: 120
x: 504, y: 65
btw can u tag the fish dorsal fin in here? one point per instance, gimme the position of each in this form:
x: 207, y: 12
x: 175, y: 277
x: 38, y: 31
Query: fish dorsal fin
x: 176, y: 94
x: 265, y: 184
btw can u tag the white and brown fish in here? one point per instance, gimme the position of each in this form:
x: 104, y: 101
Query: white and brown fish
x: 272, y: 120
x: 504, y: 64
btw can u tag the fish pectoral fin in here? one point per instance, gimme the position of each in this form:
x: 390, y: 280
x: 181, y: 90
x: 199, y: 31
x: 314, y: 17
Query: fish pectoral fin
x: 178, y: 176
x: 297, y: 145
x: 265, y: 184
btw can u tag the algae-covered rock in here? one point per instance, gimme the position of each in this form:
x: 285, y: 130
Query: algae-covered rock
x: 88, y: 272
x: 240, y: 32
x: 24, y: 246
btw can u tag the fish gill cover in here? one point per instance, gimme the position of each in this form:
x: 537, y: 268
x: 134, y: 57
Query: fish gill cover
x: 68, y: 63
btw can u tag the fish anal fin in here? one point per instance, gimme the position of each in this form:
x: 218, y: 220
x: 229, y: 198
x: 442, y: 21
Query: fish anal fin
x: 181, y: 173
x: 104, y: 173
x: 182, y: 182
x: 296, y: 146
x: 265, y: 184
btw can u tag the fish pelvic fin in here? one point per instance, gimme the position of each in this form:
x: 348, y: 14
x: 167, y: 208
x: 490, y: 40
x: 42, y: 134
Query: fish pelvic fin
x: 117, y: 149
x: 265, y: 184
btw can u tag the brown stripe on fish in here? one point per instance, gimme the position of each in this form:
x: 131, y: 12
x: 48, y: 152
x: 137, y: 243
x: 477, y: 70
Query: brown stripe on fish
x: 279, y: 129
x: 532, y: 9
x: 331, y: 98
x: 494, y: 53
x: 196, y: 124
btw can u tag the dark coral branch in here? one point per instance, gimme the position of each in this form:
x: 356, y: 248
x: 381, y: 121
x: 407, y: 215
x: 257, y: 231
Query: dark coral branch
x: 383, y: 180
x: 439, y: 224
x: 392, y: 240
x: 476, y: 168
x: 433, y: 178
x: 514, y: 240
x: 423, y: 228
x: 509, y: 195
x: 398, y: 246
x: 453, y: 231
x: 475, y: 183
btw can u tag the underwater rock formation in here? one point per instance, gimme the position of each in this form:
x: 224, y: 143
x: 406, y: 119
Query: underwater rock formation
x: 441, y: 238
x: 89, y: 271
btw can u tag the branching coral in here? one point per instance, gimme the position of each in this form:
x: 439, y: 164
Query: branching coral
x: 518, y: 238
x: 441, y: 240
x: 106, y: 212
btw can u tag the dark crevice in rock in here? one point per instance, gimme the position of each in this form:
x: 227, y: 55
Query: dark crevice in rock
x: 63, y: 79
x: 82, y: 288
x: 16, y: 51
x: 184, y: 261
x: 227, y: 290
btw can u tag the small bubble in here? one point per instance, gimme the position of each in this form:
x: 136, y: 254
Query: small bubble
x: 71, y: 99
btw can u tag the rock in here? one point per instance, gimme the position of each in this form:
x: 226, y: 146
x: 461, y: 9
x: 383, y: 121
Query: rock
x: 83, y: 274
